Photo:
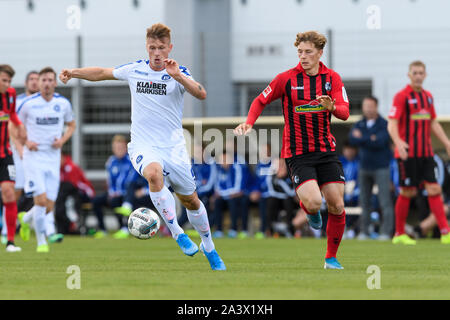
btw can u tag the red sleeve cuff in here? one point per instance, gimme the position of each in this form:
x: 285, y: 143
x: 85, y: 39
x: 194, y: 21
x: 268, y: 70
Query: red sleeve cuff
x: 255, y: 111
x: 342, y: 112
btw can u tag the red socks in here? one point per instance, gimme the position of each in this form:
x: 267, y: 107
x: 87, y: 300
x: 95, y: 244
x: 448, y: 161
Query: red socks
x: 401, y: 213
x: 335, y: 230
x: 11, y: 217
x: 437, y: 207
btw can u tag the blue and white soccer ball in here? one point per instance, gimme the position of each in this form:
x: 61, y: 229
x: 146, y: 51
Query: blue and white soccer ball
x: 143, y: 223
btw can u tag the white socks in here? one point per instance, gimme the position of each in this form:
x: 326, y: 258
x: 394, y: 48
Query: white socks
x: 28, y: 217
x: 39, y: 223
x: 199, y: 220
x: 50, y: 224
x: 164, y: 202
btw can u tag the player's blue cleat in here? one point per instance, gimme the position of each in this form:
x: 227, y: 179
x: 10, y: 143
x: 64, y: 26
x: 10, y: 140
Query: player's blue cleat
x: 315, y: 220
x: 215, y: 261
x: 332, y: 263
x: 188, y: 247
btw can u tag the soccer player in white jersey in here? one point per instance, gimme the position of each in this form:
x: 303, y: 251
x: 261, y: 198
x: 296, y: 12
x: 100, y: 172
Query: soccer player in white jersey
x: 31, y: 87
x: 44, y: 115
x: 157, y: 147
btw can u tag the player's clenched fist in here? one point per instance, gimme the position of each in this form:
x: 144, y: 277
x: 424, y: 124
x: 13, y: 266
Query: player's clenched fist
x: 65, y: 75
x: 242, y: 129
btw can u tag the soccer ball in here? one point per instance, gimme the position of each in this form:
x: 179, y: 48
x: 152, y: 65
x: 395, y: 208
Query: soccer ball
x: 143, y: 223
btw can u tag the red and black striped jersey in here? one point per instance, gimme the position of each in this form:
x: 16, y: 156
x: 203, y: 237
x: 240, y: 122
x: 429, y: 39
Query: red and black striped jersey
x: 307, y: 122
x: 414, y: 112
x: 7, y: 112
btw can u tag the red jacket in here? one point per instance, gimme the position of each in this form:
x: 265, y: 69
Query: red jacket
x: 73, y: 174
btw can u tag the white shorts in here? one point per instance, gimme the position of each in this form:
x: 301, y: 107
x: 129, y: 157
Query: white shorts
x: 175, y: 162
x: 41, y: 173
x: 20, y: 178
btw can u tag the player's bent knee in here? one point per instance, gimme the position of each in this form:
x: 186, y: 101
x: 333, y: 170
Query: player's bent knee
x: 336, y: 209
x: 408, y: 192
x: 8, y: 195
x: 433, y: 189
x: 153, y: 174
x: 312, y: 205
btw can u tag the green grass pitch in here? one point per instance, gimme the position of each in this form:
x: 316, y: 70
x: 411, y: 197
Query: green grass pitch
x: 257, y: 269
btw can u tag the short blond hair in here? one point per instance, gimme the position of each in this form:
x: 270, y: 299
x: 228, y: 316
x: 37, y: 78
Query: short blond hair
x: 119, y: 138
x: 417, y: 63
x: 318, y: 39
x: 158, y: 31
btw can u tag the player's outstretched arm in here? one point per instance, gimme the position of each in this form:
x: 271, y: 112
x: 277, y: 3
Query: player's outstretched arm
x: 191, y: 86
x: 88, y: 73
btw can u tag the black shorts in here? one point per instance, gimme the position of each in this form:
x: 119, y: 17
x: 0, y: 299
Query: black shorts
x: 7, y: 169
x: 324, y: 167
x: 414, y: 171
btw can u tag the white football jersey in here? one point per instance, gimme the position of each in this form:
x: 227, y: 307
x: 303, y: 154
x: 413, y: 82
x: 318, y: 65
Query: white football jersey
x: 44, y: 120
x: 156, y: 104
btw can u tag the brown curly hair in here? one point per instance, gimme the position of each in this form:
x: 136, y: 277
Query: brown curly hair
x: 318, y: 39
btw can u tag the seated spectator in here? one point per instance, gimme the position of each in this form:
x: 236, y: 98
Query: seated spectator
x: 120, y: 172
x: 281, y: 196
x: 229, y: 193
x: 350, y: 165
x: 258, y: 187
x: 73, y: 184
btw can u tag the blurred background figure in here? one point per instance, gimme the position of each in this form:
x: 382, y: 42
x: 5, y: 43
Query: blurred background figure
x: 229, y: 189
x: 120, y: 173
x: 259, y: 187
x: 281, y: 198
x: 371, y: 136
x: 73, y: 184
x: 350, y: 165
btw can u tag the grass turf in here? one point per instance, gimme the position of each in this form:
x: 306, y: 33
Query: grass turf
x: 257, y: 269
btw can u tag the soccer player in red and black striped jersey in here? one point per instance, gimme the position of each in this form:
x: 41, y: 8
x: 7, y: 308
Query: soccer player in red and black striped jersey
x: 412, y: 119
x: 7, y: 170
x: 310, y: 93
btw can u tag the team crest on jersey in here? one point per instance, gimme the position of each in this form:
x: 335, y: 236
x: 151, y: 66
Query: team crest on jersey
x: 430, y: 100
x: 296, y: 179
x: 313, y: 106
x: 139, y: 159
x: 11, y: 99
x: 328, y: 86
x: 165, y: 77
x: 57, y: 108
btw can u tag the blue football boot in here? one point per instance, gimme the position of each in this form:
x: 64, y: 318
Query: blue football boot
x: 188, y: 247
x: 315, y: 220
x: 332, y: 263
x: 215, y: 261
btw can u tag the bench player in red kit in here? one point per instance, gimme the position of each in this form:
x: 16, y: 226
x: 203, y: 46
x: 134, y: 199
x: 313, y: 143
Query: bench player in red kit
x: 310, y: 93
x: 412, y: 119
x: 7, y: 170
